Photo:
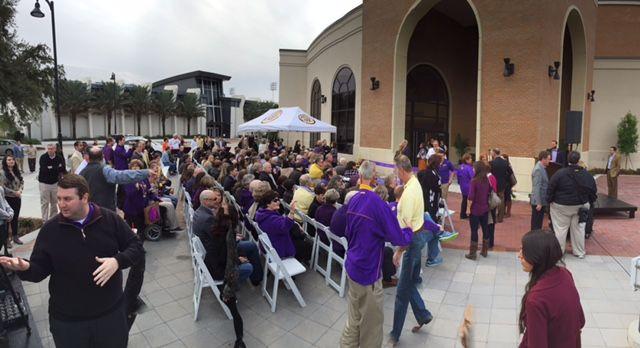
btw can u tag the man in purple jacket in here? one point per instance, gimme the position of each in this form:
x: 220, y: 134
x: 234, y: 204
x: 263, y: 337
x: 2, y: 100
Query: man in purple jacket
x: 120, y: 154
x: 107, y: 152
x: 370, y: 223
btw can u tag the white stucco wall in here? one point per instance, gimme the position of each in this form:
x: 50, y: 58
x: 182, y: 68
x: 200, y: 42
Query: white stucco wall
x: 338, y: 46
x: 617, y: 86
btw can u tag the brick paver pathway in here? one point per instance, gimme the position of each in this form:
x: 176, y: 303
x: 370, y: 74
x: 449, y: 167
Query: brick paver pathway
x: 614, y: 234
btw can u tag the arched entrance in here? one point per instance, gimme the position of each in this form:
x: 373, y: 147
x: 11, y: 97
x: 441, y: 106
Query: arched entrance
x: 574, y: 72
x: 437, y: 72
x: 427, y: 107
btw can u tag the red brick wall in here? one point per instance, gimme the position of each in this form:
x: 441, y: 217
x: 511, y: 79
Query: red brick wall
x: 520, y: 113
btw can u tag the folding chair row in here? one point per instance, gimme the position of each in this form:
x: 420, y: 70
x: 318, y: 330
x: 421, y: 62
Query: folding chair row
x: 282, y: 270
x: 319, y: 244
x: 204, y: 279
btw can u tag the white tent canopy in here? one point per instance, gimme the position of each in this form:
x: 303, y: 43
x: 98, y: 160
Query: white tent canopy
x: 291, y: 119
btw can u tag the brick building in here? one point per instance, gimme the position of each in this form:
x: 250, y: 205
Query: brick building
x: 441, y: 71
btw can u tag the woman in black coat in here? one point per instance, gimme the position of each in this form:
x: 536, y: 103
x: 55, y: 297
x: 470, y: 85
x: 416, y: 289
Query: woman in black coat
x: 430, y: 181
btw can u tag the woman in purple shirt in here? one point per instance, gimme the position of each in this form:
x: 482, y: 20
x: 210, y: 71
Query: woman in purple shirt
x: 479, y: 191
x: 284, y: 234
x: 445, y: 170
x: 465, y: 174
x: 137, y: 197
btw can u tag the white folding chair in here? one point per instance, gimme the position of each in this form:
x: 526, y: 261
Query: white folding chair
x: 333, y: 256
x: 306, y: 221
x: 319, y: 245
x: 204, y: 279
x: 281, y: 270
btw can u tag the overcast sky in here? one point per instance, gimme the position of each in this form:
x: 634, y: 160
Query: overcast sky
x: 146, y: 40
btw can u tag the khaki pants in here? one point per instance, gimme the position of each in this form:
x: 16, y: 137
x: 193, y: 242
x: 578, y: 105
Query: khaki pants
x: 612, y: 186
x: 445, y: 190
x: 48, y: 200
x: 564, y: 219
x: 20, y: 163
x: 365, y: 316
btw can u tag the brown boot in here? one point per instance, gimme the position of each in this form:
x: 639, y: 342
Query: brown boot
x: 473, y: 251
x: 508, y: 208
x: 485, y: 248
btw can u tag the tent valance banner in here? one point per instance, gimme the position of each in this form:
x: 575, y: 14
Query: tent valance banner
x: 292, y: 119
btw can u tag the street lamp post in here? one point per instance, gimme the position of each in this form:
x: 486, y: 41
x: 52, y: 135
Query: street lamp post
x: 39, y: 14
x: 115, y: 117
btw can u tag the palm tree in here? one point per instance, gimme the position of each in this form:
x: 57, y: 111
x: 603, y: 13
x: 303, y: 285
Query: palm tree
x: 103, y: 101
x: 190, y: 108
x: 165, y: 105
x: 138, y: 102
x: 74, y: 100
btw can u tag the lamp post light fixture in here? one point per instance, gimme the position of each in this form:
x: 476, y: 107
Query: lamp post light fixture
x: 375, y: 83
x: 115, y: 117
x: 591, y: 96
x: 37, y: 13
x: 323, y: 99
x: 554, y: 71
x: 509, y: 68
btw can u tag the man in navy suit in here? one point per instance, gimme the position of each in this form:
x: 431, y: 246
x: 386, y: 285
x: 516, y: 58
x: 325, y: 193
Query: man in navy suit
x: 557, y: 156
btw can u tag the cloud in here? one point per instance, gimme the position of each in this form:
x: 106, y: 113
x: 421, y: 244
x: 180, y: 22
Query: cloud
x: 144, y: 41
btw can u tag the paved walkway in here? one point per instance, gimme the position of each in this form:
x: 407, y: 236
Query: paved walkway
x: 494, y: 287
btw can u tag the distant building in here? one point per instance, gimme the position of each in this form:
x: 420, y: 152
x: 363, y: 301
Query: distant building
x: 222, y: 114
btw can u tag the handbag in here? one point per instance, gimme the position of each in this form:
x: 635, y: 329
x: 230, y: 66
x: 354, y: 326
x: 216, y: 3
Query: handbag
x: 512, y: 180
x: 152, y: 213
x: 494, y: 200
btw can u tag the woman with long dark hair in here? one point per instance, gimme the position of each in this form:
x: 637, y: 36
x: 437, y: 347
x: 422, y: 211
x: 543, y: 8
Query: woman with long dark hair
x: 551, y: 314
x: 13, y: 185
x: 223, y: 261
x: 479, y: 191
x: 430, y: 182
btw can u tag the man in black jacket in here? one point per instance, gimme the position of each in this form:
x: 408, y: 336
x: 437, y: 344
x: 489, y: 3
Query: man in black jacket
x: 502, y: 171
x: 83, y: 249
x: 205, y: 220
x: 52, y: 166
x: 571, y: 190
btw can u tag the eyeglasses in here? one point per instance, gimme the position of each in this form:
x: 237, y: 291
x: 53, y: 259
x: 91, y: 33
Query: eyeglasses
x: 276, y: 200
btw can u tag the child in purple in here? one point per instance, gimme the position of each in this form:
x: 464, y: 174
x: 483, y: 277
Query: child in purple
x: 465, y: 174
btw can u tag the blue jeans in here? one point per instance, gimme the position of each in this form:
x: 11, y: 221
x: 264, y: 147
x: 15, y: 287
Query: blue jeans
x: 433, y: 242
x: 250, y: 250
x: 244, y: 271
x: 406, y: 292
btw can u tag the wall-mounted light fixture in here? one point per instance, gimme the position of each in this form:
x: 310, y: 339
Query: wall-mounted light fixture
x: 554, y: 71
x: 509, y: 68
x: 591, y: 96
x: 375, y: 83
x: 323, y: 99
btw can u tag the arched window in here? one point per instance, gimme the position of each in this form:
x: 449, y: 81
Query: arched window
x: 343, y: 109
x: 316, y: 111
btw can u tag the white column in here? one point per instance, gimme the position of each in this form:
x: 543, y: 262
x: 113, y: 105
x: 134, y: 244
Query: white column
x: 175, y: 124
x: 123, y: 128
x: 90, y: 117
x: 150, y: 129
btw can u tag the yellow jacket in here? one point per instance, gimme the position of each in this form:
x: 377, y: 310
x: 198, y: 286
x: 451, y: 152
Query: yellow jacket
x: 315, y: 172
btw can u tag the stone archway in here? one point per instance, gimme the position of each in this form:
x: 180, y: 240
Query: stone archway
x: 573, y: 69
x: 403, y: 57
